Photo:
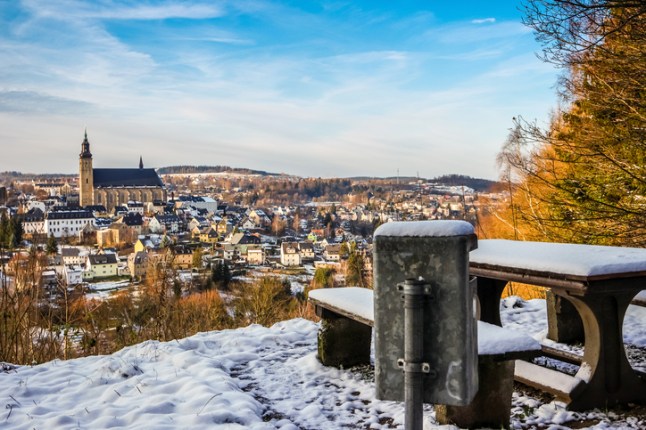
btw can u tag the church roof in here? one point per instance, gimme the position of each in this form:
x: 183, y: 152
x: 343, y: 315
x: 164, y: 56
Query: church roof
x: 126, y: 178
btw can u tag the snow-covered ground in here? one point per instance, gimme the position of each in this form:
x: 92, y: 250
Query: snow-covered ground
x: 252, y: 378
x: 105, y: 289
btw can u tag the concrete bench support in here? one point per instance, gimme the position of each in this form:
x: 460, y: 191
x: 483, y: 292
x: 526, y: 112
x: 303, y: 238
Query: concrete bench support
x: 342, y: 341
x: 492, y: 405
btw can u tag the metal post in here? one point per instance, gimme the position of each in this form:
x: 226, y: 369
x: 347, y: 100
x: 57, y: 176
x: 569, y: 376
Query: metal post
x: 413, y: 365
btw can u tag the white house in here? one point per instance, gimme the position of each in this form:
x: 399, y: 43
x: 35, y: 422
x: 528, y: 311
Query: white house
x: 33, y: 222
x: 164, y: 223
x: 67, y: 223
x: 289, y: 255
x: 136, y: 207
x: 73, y: 274
x: 72, y: 256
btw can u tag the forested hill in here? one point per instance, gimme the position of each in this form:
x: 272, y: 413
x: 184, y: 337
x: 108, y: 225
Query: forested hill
x: 211, y: 169
x: 475, y: 183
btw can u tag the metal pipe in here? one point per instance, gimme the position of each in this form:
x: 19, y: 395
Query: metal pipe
x: 414, y: 292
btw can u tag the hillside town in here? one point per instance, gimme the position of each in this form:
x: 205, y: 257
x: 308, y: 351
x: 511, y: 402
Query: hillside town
x: 112, y: 224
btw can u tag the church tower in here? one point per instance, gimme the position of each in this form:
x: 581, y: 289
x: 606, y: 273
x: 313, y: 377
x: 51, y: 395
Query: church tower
x: 86, y: 175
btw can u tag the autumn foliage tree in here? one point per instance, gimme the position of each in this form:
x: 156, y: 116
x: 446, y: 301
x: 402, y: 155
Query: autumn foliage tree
x: 583, y: 179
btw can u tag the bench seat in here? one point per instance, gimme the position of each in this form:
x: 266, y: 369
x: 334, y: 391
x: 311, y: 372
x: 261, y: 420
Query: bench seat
x: 357, y: 304
x: 344, y: 340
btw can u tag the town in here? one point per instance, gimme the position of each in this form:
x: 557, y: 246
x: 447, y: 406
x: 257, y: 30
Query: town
x: 112, y: 223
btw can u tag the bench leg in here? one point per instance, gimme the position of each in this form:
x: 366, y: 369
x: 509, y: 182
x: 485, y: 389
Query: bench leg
x: 491, y: 406
x: 564, y: 324
x: 343, y: 342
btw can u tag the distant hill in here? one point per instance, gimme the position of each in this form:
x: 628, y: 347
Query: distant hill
x: 477, y: 184
x: 211, y: 169
x: 19, y: 176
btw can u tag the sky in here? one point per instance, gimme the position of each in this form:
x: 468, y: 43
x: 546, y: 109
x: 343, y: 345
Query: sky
x: 309, y: 88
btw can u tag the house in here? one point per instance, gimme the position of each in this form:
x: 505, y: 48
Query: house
x: 306, y: 249
x: 289, y: 255
x: 72, y: 256
x: 230, y: 252
x: 259, y: 218
x: 248, y: 224
x: 332, y: 252
x: 256, y: 255
x: 133, y: 220
x: 135, y: 207
x: 137, y: 264
x: 155, y: 207
x: 33, y: 223
x: 167, y: 223
x: 100, y: 266
x: 210, y: 235
x: 182, y: 257
x: 73, y: 274
x: 107, y: 237
x: 242, y: 238
x: 197, y: 221
x: 67, y: 223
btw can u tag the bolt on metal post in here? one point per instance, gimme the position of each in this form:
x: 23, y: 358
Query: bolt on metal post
x: 414, y: 296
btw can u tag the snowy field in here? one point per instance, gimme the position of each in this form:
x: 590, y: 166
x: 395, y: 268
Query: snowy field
x: 253, y: 378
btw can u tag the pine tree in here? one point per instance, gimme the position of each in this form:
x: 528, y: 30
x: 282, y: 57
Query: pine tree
x: 52, y: 245
x: 584, y: 178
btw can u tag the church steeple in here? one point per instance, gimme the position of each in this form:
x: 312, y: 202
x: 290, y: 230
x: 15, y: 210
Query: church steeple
x: 141, y: 162
x: 85, y: 147
x: 86, y: 174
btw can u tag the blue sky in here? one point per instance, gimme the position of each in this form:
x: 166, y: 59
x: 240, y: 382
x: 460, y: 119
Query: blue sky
x: 311, y: 88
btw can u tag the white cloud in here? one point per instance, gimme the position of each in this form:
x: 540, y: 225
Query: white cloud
x: 118, y: 10
x: 483, y: 21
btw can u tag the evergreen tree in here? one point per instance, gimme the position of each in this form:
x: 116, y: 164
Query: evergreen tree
x: 52, y: 245
x: 584, y: 178
x: 4, y: 230
x: 221, y: 275
x: 15, y: 226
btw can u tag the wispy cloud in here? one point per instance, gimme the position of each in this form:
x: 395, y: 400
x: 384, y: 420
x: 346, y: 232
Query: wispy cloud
x: 32, y: 102
x: 483, y: 21
x: 120, y: 10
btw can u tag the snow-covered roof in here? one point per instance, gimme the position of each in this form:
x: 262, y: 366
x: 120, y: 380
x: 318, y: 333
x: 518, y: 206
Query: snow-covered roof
x: 560, y: 258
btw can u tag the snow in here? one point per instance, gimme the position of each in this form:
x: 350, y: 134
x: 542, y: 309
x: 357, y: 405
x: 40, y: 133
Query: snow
x: 357, y: 301
x: 439, y: 228
x: 494, y: 340
x: 252, y: 378
x: 105, y: 289
x: 560, y: 258
x: 546, y: 377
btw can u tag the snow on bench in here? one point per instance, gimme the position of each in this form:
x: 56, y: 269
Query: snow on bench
x: 357, y: 304
x: 565, y: 259
x: 562, y: 385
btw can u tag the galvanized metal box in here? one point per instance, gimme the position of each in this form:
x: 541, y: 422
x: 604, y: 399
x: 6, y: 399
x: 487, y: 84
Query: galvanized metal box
x: 438, y: 253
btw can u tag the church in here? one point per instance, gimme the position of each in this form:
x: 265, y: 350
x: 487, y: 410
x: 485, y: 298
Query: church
x: 116, y: 187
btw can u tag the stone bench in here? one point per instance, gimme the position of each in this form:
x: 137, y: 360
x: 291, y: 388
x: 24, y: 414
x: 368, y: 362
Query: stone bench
x: 347, y: 318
